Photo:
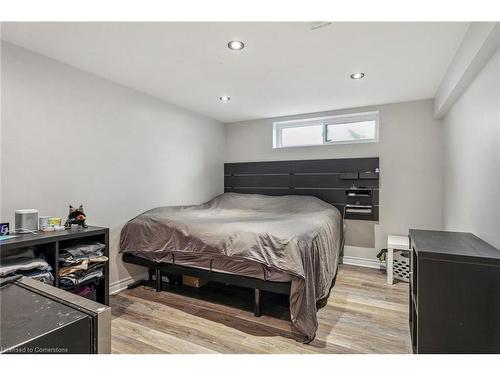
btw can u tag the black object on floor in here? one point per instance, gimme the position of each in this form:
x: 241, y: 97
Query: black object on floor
x: 37, y: 318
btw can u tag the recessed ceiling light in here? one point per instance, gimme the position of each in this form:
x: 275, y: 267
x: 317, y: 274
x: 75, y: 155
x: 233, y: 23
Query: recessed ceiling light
x: 236, y: 45
x: 357, y: 75
x: 224, y: 99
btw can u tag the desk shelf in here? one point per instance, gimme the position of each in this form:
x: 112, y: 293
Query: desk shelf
x: 50, y: 243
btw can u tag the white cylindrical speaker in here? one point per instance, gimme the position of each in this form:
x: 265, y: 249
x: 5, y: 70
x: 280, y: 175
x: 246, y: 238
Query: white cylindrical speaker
x: 26, y: 221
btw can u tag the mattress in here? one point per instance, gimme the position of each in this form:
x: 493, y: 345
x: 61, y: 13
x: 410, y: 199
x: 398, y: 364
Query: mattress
x: 297, y: 238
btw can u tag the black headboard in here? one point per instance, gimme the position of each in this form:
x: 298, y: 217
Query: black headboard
x: 351, y: 185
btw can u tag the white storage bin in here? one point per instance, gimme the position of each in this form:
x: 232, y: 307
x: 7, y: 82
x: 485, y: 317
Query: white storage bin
x: 401, y: 266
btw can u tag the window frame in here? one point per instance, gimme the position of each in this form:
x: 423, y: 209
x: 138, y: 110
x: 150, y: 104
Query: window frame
x: 325, y: 121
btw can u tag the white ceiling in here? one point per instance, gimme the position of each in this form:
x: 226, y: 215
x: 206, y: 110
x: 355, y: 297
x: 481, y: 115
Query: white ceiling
x: 285, y: 68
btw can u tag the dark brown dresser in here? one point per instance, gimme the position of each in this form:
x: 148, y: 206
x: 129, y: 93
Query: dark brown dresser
x: 454, y: 293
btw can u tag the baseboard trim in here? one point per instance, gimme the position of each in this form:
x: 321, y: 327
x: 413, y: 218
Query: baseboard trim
x: 362, y: 262
x: 118, y: 286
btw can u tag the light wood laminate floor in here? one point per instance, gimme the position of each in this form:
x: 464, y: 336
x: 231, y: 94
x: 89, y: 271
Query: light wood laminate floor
x: 363, y: 315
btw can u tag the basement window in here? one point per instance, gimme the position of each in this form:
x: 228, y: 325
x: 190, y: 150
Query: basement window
x: 341, y: 129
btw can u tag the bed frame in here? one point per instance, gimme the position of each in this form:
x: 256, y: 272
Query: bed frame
x: 159, y: 269
x: 344, y: 183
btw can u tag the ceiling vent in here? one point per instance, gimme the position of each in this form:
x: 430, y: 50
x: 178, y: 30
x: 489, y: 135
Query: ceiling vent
x: 319, y: 25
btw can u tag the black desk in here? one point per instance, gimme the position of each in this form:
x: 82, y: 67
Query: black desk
x: 49, y: 244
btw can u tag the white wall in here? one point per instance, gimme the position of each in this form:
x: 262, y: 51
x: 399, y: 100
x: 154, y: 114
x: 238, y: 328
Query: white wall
x: 410, y: 151
x: 472, y: 157
x: 478, y: 45
x: 69, y: 137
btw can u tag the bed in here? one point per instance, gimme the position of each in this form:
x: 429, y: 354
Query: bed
x: 293, y: 239
x: 284, y: 243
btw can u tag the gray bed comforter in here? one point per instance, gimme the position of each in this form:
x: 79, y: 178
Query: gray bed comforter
x: 298, y: 235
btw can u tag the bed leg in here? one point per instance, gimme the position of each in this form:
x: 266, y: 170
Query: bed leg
x: 158, y: 280
x: 257, y: 294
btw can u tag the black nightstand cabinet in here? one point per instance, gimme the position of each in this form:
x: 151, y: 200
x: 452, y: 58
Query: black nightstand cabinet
x: 454, y: 293
x: 49, y: 243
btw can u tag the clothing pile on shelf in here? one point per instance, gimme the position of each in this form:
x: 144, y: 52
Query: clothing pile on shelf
x: 24, y: 262
x: 85, y: 290
x: 82, y: 263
